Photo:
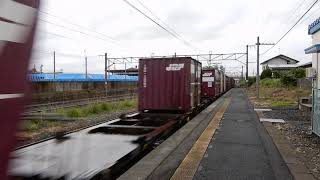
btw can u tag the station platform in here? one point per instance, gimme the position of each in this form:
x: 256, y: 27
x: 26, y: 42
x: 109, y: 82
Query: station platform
x: 226, y: 141
x: 239, y: 149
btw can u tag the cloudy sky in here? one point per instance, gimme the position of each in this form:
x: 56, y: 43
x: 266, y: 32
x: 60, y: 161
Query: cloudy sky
x: 76, y: 28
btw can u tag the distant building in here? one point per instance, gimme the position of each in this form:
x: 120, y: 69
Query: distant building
x: 280, y: 62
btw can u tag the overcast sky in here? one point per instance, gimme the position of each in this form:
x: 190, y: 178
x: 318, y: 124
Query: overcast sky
x: 210, y: 25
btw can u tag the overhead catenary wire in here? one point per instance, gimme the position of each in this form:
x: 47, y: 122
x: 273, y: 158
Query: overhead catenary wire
x: 80, y: 26
x: 74, y: 30
x: 295, y: 10
x: 164, y: 23
x: 161, y: 26
x: 313, y: 4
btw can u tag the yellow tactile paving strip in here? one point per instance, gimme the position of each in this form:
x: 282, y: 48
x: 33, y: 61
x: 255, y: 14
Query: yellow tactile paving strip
x: 189, y: 165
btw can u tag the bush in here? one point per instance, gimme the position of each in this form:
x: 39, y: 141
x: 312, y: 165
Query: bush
x: 299, y: 73
x: 276, y: 74
x: 270, y: 83
x: 242, y: 83
x: 267, y: 73
x: 288, y: 79
x: 251, y: 80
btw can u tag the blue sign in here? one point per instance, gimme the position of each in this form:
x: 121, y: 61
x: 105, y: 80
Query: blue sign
x: 314, y: 27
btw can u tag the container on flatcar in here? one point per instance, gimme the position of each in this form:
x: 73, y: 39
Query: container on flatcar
x: 218, y: 82
x: 169, y: 84
x: 208, y: 85
x: 222, y: 82
x: 228, y: 83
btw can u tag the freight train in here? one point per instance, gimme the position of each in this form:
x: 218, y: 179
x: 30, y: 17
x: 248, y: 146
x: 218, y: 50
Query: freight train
x: 178, y: 84
x: 171, y: 92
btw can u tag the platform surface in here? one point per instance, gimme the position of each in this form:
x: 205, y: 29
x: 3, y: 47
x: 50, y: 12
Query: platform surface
x: 241, y: 148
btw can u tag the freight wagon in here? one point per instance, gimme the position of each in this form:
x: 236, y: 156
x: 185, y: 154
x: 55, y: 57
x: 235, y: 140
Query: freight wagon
x: 210, y: 83
x: 169, y: 84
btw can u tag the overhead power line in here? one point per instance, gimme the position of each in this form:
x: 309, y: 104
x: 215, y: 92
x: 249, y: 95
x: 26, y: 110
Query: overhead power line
x: 74, y: 30
x: 164, y: 23
x: 295, y: 10
x: 74, y: 24
x: 291, y: 27
x: 161, y: 26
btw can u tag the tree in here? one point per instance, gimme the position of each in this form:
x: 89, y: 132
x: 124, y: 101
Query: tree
x: 267, y: 73
x: 299, y: 72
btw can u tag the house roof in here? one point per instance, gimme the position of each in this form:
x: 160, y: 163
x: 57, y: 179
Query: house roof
x: 283, y: 66
x: 308, y: 64
x: 68, y: 77
x: 282, y: 57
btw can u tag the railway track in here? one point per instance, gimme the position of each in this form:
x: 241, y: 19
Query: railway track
x: 36, y: 108
x: 106, y: 149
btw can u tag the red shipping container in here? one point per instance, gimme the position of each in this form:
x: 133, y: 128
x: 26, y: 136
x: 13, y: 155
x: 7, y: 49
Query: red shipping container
x: 169, y: 84
x: 208, y: 87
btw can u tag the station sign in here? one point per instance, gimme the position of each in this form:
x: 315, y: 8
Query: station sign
x: 314, y: 27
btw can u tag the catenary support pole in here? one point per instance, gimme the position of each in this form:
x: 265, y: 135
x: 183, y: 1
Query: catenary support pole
x: 106, y: 72
x: 247, y: 65
x: 54, y: 65
x: 257, y: 76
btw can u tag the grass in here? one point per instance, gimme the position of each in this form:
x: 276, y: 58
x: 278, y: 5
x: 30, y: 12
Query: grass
x: 98, y: 108
x: 271, y: 83
x: 35, y: 125
x: 281, y: 104
x: 275, y: 96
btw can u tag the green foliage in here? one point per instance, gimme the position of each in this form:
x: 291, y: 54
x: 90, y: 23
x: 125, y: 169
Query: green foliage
x: 299, y: 72
x: 288, y: 79
x: 35, y: 125
x: 267, y: 73
x: 251, y: 80
x: 242, y: 83
x: 98, y: 108
x: 281, y: 104
x: 276, y: 74
x: 270, y: 83
x: 74, y: 113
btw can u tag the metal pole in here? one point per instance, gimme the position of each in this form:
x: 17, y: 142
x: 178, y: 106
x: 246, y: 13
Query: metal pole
x: 241, y: 72
x: 125, y: 70
x: 54, y: 65
x: 247, y: 64
x: 86, y: 67
x: 106, y: 72
x: 258, y: 66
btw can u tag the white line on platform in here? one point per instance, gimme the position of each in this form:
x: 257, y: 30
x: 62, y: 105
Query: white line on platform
x: 263, y: 109
x: 272, y: 120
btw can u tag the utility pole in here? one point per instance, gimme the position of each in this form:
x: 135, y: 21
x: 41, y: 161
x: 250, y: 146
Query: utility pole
x: 241, y: 72
x: 86, y: 62
x: 54, y: 64
x: 247, y: 64
x: 258, y: 67
x: 125, y: 70
x: 106, y: 72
